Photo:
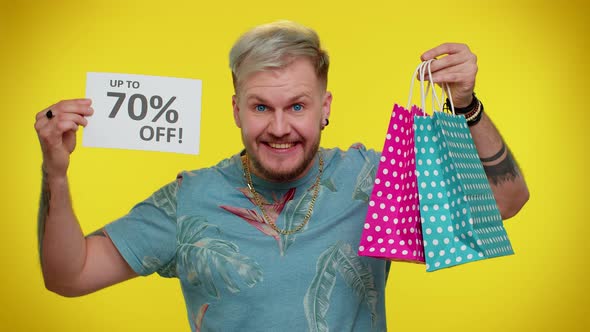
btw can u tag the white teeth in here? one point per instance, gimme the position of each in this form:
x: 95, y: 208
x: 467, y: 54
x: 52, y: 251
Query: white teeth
x: 280, y: 146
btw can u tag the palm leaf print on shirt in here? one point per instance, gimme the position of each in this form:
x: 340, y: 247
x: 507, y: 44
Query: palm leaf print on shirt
x: 329, y: 183
x: 339, y: 258
x: 255, y: 218
x: 165, y: 198
x: 364, y: 182
x: 200, y: 257
x: 295, y: 213
x: 198, y: 321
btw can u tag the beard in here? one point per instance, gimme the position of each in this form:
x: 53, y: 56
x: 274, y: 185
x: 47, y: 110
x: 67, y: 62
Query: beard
x: 288, y: 175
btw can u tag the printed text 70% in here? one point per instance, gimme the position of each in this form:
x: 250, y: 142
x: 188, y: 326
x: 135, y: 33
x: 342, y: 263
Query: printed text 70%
x: 156, y: 103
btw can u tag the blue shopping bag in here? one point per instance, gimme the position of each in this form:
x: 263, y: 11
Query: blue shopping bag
x: 461, y: 222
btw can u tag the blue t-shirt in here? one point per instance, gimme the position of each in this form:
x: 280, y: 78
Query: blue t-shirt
x: 237, y: 273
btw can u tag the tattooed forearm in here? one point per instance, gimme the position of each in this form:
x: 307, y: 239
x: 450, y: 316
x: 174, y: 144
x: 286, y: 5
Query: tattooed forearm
x: 43, y: 211
x: 98, y: 232
x: 501, y: 167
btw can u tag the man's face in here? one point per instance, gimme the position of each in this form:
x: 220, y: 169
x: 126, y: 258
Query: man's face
x: 280, y: 113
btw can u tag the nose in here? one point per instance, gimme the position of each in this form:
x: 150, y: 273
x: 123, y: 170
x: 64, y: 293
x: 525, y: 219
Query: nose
x: 279, y: 125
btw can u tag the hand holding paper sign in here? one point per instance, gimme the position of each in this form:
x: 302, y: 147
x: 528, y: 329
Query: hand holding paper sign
x: 56, y: 128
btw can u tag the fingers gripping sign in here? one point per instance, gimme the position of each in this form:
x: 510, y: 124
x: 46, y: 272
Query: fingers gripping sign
x: 56, y: 128
x: 457, y: 67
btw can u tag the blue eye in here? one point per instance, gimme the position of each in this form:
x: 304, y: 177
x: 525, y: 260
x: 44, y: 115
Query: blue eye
x: 260, y: 108
x: 297, y: 107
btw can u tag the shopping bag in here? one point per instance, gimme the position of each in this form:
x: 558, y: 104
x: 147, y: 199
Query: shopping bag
x: 392, y: 225
x: 460, y: 220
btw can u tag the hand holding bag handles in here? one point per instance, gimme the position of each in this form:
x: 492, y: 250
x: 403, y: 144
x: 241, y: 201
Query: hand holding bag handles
x: 431, y: 201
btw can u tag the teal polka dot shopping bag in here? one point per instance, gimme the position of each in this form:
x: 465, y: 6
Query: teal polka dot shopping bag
x: 460, y: 219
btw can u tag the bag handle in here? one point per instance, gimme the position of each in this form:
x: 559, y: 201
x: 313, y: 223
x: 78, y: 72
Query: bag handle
x: 444, y: 87
x: 420, y: 72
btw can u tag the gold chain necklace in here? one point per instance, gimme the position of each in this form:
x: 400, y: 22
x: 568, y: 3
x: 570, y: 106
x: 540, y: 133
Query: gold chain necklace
x: 258, y: 200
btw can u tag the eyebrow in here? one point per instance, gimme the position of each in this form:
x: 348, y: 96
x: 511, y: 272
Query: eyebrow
x: 291, y: 100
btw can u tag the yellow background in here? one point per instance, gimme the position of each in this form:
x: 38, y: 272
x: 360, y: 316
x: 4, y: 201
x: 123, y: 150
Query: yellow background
x: 533, y: 79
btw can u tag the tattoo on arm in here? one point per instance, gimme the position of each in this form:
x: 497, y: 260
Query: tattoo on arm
x: 98, y: 232
x: 496, y: 156
x: 501, y: 171
x: 43, y: 211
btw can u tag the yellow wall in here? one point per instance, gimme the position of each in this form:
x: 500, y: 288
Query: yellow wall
x: 533, y: 79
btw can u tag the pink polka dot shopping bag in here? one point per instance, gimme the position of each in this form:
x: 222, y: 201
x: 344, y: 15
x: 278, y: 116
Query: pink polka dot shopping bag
x: 392, y: 225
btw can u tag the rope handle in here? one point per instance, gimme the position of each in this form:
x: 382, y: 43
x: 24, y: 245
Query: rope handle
x: 420, y: 72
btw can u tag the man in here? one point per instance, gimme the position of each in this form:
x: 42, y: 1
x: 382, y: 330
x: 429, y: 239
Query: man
x: 266, y: 239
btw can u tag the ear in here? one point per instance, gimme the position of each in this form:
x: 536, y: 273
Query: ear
x: 234, y: 103
x: 326, y: 106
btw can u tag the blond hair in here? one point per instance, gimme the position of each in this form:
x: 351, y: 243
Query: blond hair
x: 276, y: 45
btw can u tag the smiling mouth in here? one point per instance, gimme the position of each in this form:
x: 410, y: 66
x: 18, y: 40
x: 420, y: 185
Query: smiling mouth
x: 281, y: 145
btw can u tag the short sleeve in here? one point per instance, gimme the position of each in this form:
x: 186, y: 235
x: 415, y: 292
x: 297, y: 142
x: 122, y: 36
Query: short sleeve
x: 146, y: 236
x: 369, y: 155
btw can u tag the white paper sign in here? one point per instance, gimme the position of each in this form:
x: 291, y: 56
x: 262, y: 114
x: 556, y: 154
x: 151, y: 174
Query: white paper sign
x: 143, y: 112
